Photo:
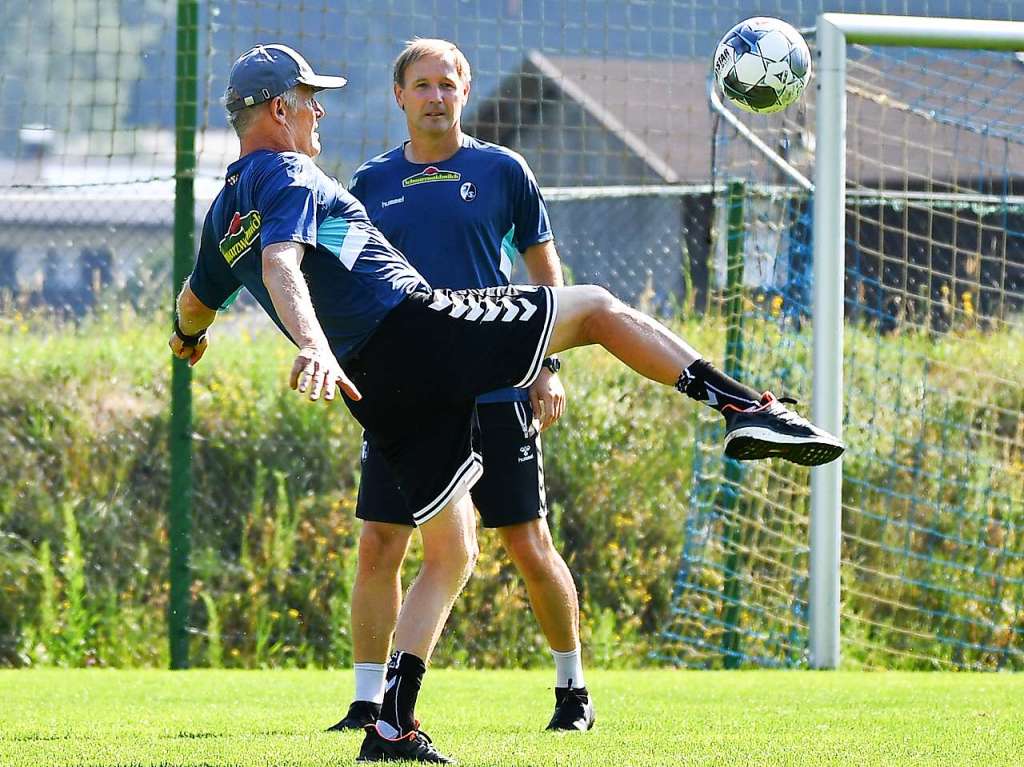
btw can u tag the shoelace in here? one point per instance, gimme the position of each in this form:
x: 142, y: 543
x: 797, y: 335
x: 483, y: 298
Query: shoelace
x: 785, y: 414
x: 582, y: 697
x: 426, y: 743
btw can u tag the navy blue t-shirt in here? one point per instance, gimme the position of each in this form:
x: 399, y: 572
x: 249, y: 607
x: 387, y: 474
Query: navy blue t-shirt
x: 461, y: 222
x: 355, y: 276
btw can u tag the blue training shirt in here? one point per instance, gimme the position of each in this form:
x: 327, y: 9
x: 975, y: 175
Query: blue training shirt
x: 355, y: 276
x: 461, y: 222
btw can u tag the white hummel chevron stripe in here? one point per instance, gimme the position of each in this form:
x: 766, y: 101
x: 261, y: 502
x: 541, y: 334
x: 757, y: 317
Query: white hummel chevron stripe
x: 441, y: 302
x: 459, y: 308
x: 531, y: 309
x: 352, y: 246
x: 545, y: 337
x: 493, y: 310
x: 477, y: 311
x: 513, y: 310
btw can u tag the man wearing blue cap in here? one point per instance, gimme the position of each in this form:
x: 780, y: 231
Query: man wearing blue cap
x: 306, y: 250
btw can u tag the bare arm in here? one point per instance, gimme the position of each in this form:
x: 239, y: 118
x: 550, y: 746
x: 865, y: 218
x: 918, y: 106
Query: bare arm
x: 547, y: 395
x: 543, y: 264
x: 194, y: 317
x: 315, y: 366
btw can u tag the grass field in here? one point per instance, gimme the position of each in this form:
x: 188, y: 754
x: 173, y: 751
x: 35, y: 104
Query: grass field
x: 105, y: 718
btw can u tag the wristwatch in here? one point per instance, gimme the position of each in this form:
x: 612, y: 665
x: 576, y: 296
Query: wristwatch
x: 185, y: 338
x: 552, y: 363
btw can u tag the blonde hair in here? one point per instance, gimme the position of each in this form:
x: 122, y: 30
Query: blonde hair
x: 422, y: 47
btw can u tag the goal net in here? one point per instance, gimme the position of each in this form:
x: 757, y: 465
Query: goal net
x: 932, y: 553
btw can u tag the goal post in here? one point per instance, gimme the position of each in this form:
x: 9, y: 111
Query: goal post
x: 834, y: 32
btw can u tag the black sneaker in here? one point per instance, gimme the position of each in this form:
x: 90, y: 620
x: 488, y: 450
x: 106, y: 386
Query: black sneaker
x: 771, y: 429
x: 574, y: 710
x: 360, y: 714
x: 414, y: 747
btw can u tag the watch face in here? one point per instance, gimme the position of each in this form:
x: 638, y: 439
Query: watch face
x: 553, y: 364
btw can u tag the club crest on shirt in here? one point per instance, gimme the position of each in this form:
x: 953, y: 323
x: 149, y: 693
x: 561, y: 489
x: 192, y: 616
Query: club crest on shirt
x: 468, y: 191
x: 242, y: 232
x: 430, y: 174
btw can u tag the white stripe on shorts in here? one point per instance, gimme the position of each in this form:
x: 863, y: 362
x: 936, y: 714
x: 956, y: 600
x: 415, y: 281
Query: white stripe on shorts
x: 465, y: 477
x: 541, y: 489
x: 545, y: 339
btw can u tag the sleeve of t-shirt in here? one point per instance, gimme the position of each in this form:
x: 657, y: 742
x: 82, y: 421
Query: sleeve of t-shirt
x: 357, y: 187
x: 212, y: 280
x: 286, y: 200
x: 530, y: 214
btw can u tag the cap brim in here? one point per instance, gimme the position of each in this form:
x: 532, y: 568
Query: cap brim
x: 323, y: 82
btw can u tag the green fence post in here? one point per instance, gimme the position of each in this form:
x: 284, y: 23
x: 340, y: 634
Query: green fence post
x: 729, y: 497
x: 180, y: 511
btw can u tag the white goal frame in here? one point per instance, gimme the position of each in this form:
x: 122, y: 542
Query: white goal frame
x: 834, y: 31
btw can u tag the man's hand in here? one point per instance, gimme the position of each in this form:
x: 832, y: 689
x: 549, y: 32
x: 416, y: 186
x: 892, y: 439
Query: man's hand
x: 184, y: 351
x: 318, y: 372
x: 547, y: 396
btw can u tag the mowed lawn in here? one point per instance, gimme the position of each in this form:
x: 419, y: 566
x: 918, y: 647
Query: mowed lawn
x: 125, y: 718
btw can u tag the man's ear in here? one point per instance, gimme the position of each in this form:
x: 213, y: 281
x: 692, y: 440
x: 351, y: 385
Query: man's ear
x: 398, y: 97
x: 277, y: 108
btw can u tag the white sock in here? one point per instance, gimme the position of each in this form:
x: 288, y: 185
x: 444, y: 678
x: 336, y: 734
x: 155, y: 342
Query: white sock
x: 568, y: 668
x: 370, y: 681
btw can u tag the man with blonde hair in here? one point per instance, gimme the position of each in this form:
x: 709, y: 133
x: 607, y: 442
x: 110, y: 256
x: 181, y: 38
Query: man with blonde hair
x: 463, y: 211
x: 415, y: 358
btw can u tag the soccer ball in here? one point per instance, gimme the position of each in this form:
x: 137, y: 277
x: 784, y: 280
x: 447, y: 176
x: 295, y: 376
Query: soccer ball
x: 762, y: 65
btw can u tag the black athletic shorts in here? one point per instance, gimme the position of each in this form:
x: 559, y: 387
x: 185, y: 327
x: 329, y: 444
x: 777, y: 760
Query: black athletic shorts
x: 422, y: 370
x: 510, y: 491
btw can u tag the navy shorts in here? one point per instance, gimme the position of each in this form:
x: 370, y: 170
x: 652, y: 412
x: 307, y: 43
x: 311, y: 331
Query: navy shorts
x: 511, y: 490
x: 422, y: 370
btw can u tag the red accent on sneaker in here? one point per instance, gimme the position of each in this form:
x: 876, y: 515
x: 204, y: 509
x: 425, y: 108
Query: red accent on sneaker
x: 766, y: 400
x: 411, y: 735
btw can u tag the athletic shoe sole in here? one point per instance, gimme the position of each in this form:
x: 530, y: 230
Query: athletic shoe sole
x: 753, y: 443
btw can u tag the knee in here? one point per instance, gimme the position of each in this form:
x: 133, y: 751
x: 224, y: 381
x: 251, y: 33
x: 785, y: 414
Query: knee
x: 600, y: 299
x: 601, y: 305
x: 466, y: 554
x: 534, y: 554
x: 457, y: 557
x: 382, y: 549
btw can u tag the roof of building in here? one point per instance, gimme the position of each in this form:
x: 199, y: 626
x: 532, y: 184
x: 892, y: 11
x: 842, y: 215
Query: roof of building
x: 924, y: 117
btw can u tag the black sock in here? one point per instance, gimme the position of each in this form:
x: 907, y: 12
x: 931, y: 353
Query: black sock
x: 405, y: 675
x: 705, y: 383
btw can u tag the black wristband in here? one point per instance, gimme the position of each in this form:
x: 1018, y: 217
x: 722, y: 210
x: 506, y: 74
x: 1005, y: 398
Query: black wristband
x: 552, y: 363
x: 186, y: 339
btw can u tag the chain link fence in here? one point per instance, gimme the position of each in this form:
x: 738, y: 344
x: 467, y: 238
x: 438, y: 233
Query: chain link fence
x: 604, y: 99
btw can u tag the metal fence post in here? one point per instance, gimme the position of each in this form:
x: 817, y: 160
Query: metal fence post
x: 180, y: 511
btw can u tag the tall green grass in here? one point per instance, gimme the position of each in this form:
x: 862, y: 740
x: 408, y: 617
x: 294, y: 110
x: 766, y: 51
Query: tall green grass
x: 83, y: 493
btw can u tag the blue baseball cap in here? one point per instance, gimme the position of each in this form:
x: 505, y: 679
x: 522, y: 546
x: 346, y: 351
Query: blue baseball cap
x: 266, y: 71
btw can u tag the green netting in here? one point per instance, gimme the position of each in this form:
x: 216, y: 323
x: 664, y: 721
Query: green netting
x: 933, y: 495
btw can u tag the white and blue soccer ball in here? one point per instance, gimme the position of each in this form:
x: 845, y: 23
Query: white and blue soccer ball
x: 762, y: 65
